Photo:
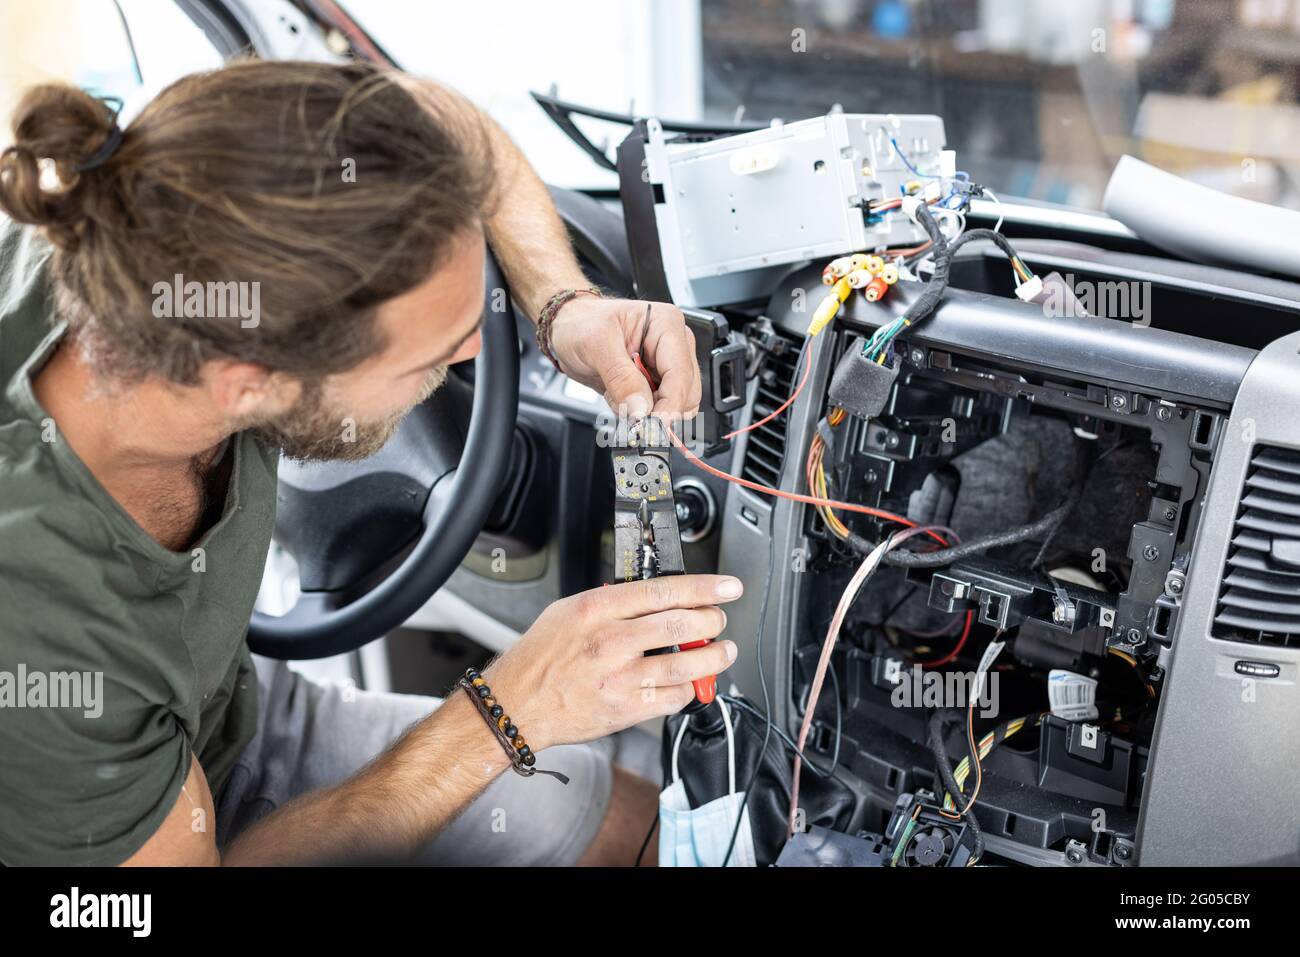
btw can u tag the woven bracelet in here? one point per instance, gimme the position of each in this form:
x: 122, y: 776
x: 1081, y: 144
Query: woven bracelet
x: 547, y: 316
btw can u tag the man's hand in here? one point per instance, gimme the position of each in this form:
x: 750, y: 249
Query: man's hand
x: 581, y: 671
x: 594, y: 340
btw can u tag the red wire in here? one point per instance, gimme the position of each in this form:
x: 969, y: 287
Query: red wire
x: 803, y: 380
x: 793, y: 496
x: 965, y: 633
x: 767, y: 490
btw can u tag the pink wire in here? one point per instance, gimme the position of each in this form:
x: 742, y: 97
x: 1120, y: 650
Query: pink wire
x: 832, y: 635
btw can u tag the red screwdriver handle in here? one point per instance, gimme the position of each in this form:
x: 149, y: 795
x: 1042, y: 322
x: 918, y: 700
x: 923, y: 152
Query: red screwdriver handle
x: 706, y: 689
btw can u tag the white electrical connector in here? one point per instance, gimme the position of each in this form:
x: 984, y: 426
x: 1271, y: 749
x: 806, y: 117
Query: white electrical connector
x: 910, y: 205
x: 1030, y: 290
x: 947, y: 163
x: 747, y: 162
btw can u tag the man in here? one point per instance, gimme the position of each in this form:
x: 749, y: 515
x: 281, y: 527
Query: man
x: 348, y: 209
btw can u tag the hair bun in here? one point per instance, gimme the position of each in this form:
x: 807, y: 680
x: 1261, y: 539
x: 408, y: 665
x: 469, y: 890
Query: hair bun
x: 63, y: 137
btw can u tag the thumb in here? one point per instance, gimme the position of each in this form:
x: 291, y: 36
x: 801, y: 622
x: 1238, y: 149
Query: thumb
x: 626, y: 388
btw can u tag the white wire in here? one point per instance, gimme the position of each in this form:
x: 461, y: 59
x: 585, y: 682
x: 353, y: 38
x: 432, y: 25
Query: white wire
x: 958, y: 217
x: 993, y: 196
x: 869, y: 565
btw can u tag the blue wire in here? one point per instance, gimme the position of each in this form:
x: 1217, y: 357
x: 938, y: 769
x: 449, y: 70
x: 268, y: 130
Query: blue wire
x: 908, y: 163
x: 961, y: 173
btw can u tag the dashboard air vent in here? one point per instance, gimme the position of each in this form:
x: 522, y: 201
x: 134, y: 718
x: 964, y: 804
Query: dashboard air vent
x: 766, y: 444
x: 1259, y: 598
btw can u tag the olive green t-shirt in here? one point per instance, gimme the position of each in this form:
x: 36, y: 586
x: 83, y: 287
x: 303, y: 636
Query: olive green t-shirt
x: 89, y: 600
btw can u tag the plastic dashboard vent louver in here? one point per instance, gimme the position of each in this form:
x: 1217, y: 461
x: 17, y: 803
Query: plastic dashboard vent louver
x: 766, y: 444
x: 1259, y: 598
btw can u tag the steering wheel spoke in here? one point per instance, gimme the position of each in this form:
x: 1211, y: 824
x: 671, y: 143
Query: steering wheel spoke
x: 428, y: 492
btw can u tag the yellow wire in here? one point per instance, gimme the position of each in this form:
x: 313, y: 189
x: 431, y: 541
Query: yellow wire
x: 1123, y: 654
x: 984, y: 747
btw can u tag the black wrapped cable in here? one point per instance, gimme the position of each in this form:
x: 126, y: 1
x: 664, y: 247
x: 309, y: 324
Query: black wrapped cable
x: 943, y: 252
x: 946, y: 556
x: 944, y: 766
x: 926, y: 303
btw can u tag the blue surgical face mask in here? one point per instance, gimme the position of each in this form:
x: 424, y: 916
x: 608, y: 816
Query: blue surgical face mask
x: 699, y: 837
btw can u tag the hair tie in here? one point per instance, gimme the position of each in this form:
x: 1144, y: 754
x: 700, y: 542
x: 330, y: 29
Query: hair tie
x: 111, y: 142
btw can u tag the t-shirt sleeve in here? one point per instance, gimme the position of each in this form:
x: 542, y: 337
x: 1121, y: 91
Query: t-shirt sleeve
x: 89, y: 766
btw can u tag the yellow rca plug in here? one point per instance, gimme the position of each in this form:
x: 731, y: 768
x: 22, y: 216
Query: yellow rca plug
x: 874, y: 265
x: 830, y: 306
x: 825, y: 313
x: 889, y: 274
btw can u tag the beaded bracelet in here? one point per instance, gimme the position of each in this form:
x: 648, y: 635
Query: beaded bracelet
x: 512, y: 742
x: 547, y: 316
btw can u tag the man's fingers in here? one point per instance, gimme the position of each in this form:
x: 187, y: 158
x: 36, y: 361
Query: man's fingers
x: 636, y: 599
x: 683, y: 667
x: 672, y: 350
x: 626, y: 388
x: 666, y: 701
x: 667, y: 628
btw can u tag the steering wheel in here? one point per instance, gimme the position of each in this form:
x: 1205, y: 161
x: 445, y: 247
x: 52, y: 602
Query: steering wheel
x: 433, y: 484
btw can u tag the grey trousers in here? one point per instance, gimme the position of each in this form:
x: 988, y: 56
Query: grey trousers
x: 311, y: 736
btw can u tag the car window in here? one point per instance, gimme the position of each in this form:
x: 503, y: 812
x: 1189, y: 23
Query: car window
x: 1039, y: 97
x: 623, y: 56
x: 124, y: 48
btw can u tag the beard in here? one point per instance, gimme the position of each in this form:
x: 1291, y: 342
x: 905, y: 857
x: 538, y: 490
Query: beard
x: 315, y: 430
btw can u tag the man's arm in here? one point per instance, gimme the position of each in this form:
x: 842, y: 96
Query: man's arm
x: 593, y: 339
x: 579, y: 673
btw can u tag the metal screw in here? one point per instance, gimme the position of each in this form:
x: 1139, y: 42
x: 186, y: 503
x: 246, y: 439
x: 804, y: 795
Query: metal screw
x: 1170, y: 513
x: 918, y: 357
x: 1074, y: 854
x: 1123, y: 852
x: 1150, y: 553
x: 1134, y: 636
x: 1118, y: 401
x: 892, y: 441
x: 1164, y: 413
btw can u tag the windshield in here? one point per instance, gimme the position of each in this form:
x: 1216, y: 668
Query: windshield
x: 1039, y: 97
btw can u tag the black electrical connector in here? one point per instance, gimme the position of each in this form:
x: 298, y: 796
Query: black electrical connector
x: 861, y: 386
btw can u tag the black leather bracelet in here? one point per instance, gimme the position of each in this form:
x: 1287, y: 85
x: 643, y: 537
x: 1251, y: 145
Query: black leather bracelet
x: 512, y: 742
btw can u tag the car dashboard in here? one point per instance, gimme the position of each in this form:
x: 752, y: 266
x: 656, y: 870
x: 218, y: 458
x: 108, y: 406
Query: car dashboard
x: 1139, y: 703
